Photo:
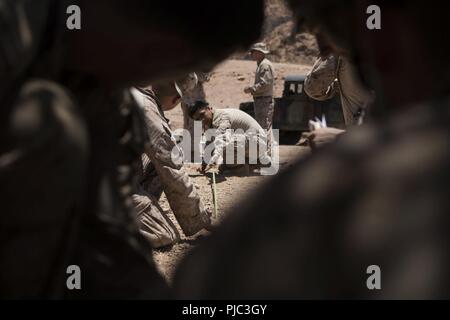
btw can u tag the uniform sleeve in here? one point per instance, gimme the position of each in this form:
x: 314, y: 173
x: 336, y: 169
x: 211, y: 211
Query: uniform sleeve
x: 264, y: 80
x: 167, y: 158
x: 320, y: 83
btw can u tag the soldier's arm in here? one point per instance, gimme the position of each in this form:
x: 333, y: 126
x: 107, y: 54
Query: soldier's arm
x: 320, y: 83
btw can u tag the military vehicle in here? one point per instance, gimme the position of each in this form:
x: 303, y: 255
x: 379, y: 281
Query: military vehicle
x: 294, y: 110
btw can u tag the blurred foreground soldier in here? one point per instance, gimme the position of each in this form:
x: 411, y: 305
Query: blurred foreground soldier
x: 377, y: 197
x: 234, y: 130
x: 262, y: 90
x: 71, y: 134
x: 332, y: 75
x: 163, y: 170
x: 190, y: 97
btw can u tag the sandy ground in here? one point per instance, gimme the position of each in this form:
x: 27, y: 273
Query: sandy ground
x: 225, y: 90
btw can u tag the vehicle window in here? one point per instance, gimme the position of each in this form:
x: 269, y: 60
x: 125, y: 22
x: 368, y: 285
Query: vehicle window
x: 291, y: 89
x: 300, y: 88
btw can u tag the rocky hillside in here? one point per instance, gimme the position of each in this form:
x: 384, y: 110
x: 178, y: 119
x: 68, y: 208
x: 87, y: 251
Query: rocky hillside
x: 300, y: 48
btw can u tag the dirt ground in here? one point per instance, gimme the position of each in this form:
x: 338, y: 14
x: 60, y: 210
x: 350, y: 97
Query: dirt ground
x: 225, y: 90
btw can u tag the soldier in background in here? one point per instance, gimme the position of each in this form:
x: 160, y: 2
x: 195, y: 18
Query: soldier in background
x: 72, y: 136
x: 163, y: 170
x: 262, y: 90
x: 378, y: 196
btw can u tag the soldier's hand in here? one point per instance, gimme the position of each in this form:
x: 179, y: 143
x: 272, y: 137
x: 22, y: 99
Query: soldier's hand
x: 212, y: 167
x: 202, y: 168
x: 322, y: 136
x: 248, y: 90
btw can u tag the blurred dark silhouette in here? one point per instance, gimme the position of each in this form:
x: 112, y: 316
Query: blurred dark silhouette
x: 71, y: 136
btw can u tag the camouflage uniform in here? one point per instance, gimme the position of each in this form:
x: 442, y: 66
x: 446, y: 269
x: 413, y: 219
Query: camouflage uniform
x: 226, y: 120
x: 320, y: 82
x: 332, y: 74
x: 262, y: 92
x: 67, y: 162
x: 154, y: 223
x: 71, y: 146
x: 377, y: 196
x: 163, y: 171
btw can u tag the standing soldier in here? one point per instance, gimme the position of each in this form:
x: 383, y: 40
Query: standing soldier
x: 262, y: 90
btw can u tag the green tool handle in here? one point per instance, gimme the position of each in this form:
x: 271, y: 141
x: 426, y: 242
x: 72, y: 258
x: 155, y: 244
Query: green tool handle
x: 214, y: 194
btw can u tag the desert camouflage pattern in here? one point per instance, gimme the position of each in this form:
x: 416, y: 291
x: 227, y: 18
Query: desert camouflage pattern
x: 333, y: 75
x: 321, y: 81
x: 67, y: 164
x: 163, y: 171
x: 54, y: 142
x: 244, y: 128
x: 154, y: 223
x: 355, y: 97
x: 262, y: 92
x: 264, y: 108
x: 70, y: 153
x: 264, y: 79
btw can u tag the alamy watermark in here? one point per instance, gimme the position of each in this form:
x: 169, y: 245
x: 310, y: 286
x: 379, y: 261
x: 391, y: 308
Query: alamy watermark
x: 373, y: 22
x: 73, y: 21
x: 73, y: 281
x: 373, y: 282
